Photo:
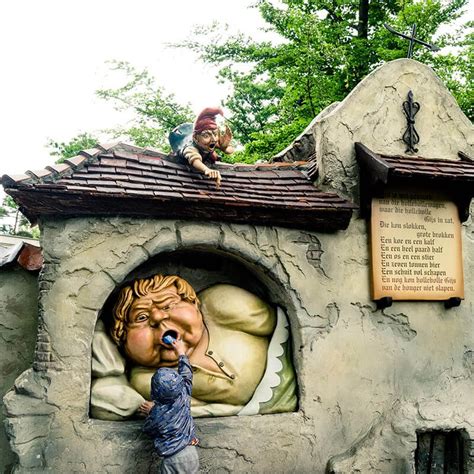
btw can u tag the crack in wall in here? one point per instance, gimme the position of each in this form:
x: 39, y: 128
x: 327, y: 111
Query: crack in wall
x: 328, y: 323
x: 221, y: 238
x: 291, y: 257
x: 468, y: 361
x: 269, y: 251
x: 234, y: 451
x: 398, y: 323
x: 362, y: 262
x: 179, y: 237
x: 314, y: 251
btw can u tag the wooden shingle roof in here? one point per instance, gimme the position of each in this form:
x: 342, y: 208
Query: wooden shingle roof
x: 132, y: 181
x: 378, y: 170
x: 387, y: 167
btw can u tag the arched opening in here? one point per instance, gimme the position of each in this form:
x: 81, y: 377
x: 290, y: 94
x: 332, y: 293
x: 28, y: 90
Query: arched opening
x: 248, y: 363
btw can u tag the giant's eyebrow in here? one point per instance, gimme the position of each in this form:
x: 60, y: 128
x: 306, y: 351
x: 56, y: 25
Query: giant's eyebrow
x: 165, y: 298
x: 140, y: 306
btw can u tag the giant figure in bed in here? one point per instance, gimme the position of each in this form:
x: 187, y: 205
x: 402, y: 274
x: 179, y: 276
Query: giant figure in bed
x: 237, y: 344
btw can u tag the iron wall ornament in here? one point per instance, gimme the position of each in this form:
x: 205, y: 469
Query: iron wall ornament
x: 411, y: 137
x: 412, y: 38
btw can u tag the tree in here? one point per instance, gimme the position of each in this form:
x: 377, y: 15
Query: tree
x: 156, y: 113
x: 317, y: 52
x: 69, y: 149
x: 325, y: 48
x: 14, y: 222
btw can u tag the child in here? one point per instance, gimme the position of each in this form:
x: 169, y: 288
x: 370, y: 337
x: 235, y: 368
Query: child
x: 169, y: 420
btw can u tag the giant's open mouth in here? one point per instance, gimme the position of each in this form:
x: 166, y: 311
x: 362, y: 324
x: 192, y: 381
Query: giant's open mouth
x: 212, y: 146
x: 170, y: 333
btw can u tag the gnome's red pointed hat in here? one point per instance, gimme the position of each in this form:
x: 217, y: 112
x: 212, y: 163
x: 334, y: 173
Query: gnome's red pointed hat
x: 206, y: 120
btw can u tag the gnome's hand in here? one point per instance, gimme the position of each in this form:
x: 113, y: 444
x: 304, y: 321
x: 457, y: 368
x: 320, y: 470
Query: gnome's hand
x: 208, y: 172
x: 213, y: 174
x: 225, y: 138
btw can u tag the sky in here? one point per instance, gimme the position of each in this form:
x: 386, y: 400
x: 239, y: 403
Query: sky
x: 53, y: 55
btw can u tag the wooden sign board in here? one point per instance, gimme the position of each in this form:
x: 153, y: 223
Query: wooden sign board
x: 416, y: 247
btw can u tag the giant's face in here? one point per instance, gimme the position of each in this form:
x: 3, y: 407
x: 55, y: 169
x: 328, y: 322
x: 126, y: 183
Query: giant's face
x: 155, y: 315
x: 207, y: 140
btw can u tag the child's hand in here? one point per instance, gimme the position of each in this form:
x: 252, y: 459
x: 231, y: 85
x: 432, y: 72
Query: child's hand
x: 145, y: 408
x: 178, y: 346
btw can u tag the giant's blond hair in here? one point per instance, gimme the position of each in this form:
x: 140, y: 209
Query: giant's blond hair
x: 141, y: 287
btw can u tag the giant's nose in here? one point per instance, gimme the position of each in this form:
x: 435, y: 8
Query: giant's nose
x: 156, y: 316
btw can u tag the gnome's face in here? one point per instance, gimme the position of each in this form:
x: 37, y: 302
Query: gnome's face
x: 207, y: 140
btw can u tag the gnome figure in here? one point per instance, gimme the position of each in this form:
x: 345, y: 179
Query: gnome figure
x: 200, y: 148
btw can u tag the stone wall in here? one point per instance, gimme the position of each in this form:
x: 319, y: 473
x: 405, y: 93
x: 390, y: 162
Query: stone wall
x: 19, y: 318
x: 368, y: 379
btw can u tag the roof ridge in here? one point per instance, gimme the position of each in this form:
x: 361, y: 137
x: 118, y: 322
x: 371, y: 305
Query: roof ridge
x: 422, y: 158
x: 296, y: 165
x: 126, y: 147
x: 53, y: 172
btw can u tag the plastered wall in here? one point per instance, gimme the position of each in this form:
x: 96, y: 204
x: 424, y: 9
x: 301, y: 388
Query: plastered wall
x: 367, y: 378
x: 19, y: 316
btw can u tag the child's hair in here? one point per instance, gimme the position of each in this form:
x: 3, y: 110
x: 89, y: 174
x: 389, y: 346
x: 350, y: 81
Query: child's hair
x: 142, y: 287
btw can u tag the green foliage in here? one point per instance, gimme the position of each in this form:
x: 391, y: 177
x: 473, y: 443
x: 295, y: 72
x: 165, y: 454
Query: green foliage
x: 323, y: 48
x: 10, y: 204
x: 456, y: 70
x: 20, y: 226
x: 33, y: 233
x: 69, y: 149
x: 317, y: 51
x: 155, y: 112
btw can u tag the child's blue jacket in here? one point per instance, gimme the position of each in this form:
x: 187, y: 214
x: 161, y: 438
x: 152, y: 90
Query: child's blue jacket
x: 170, y: 423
